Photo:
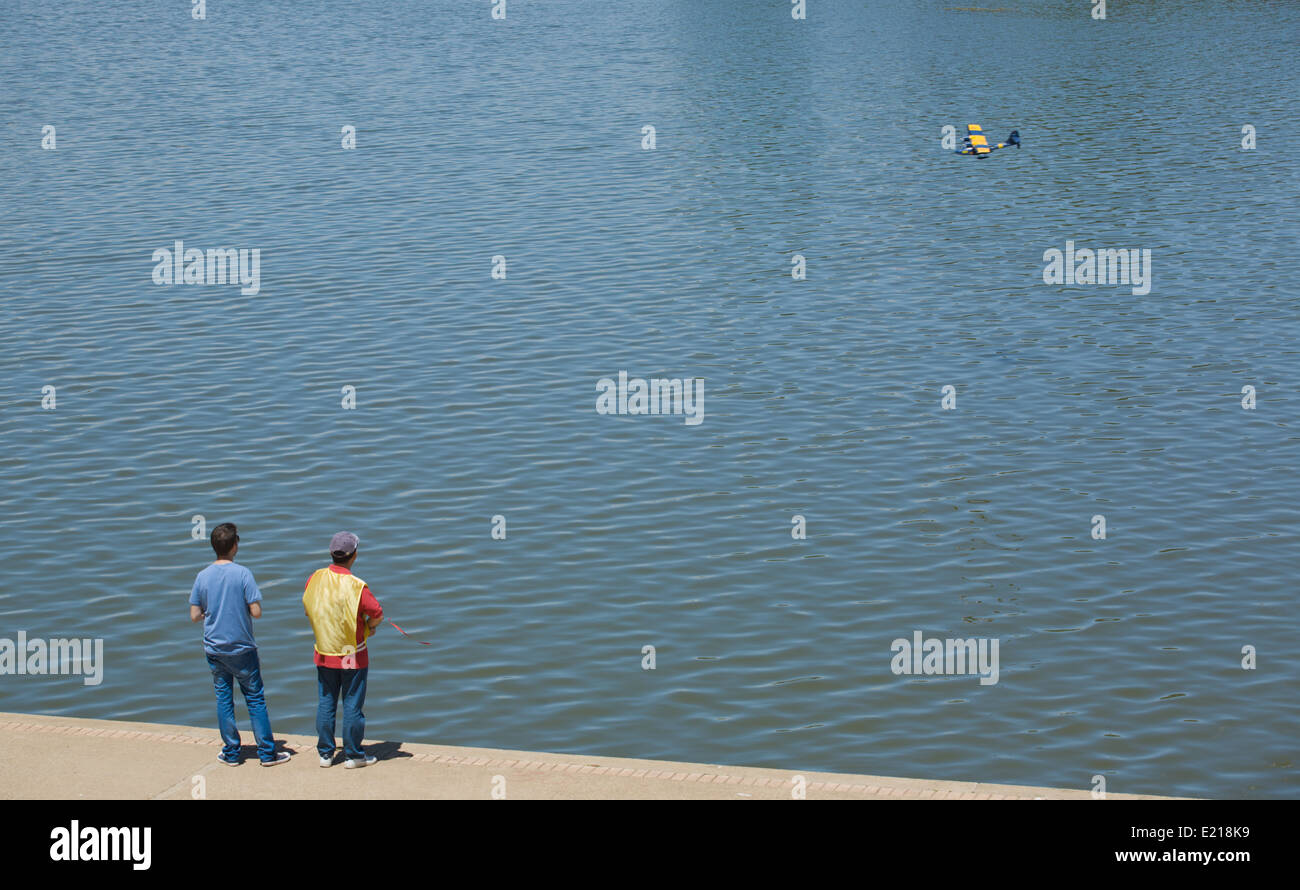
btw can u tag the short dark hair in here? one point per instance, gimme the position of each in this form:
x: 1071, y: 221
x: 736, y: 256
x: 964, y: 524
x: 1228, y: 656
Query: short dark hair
x: 339, y: 557
x: 224, y: 538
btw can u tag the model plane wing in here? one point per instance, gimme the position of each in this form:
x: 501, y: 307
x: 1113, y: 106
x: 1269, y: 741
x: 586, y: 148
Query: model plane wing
x: 978, y: 142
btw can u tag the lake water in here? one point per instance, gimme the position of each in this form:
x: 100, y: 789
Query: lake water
x: 476, y: 397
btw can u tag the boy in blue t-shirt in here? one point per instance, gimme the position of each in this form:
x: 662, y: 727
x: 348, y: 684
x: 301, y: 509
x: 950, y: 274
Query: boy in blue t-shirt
x: 226, y: 597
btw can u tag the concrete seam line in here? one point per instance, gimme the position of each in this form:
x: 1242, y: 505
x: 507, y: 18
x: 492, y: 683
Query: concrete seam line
x: 203, y: 771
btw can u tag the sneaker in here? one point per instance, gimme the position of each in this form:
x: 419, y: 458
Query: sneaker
x: 280, y: 757
x: 327, y: 762
x: 358, y: 763
x: 229, y: 761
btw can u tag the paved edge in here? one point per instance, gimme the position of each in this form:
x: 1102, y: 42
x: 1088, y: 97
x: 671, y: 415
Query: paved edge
x: 93, y: 762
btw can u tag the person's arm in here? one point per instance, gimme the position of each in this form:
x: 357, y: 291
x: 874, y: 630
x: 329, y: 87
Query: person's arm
x: 252, y: 596
x: 372, y: 610
x: 196, y: 602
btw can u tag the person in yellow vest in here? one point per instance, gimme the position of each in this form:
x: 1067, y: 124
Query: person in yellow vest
x: 343, y: 614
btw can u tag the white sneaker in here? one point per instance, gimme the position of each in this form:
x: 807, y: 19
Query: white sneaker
x: 357, y: 764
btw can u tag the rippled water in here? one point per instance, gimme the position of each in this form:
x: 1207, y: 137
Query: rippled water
x: 476, y: 397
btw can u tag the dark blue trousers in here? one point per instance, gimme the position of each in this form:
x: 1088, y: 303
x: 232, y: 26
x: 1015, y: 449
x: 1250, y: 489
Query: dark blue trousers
x: 351, y: 685
x: 244, y: 669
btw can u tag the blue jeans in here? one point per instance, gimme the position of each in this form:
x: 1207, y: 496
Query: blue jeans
x: 330, y: 682
x: 245, y: 668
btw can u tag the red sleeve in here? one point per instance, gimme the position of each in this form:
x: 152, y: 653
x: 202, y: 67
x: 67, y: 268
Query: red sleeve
x: 369, y: 605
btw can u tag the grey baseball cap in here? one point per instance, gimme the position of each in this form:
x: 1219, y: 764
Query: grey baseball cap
x: 344, y: 542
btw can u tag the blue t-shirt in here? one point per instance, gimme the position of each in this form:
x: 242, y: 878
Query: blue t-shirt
x: 223, y: 592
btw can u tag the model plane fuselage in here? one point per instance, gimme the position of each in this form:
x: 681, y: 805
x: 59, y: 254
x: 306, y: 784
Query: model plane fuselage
x: 977, y: 144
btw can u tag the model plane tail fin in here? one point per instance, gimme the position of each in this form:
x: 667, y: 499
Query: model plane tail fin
x: 1014, y: 138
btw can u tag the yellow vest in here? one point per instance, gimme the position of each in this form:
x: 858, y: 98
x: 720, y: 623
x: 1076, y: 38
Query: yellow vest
x: 331, y: 601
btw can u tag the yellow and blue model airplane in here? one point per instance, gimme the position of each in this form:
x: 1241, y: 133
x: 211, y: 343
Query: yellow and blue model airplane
x: 977, y: 144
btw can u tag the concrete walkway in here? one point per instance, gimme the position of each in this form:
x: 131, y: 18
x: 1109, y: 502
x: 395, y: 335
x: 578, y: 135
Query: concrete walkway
x: 66, y: 758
